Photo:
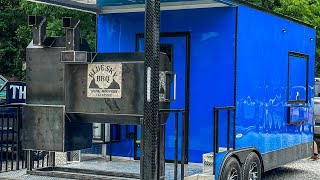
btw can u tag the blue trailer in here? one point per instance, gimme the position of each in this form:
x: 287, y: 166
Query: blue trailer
x: 245, y: 78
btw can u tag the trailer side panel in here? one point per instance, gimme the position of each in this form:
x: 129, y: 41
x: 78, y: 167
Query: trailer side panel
x: 269, y: 76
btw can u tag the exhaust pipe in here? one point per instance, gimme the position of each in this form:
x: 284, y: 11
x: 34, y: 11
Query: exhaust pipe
x: 73, y: 41
x: 39, y: 25
x: 72, y: 33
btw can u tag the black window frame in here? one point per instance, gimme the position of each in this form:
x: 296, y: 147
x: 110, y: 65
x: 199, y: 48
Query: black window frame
x: 306, y: 57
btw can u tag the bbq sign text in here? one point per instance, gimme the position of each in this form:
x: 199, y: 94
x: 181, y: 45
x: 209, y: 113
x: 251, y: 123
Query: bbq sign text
x: 104, y: 80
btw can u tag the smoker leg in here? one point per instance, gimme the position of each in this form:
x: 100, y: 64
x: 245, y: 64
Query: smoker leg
x: 104, y: 150
x: 29, y: 160
x: 52, y: 156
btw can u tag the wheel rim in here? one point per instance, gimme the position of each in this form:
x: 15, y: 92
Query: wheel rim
x: 253, y: 172
x: 233, y: 174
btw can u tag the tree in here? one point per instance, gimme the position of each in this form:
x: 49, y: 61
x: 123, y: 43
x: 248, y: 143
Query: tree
x: 268, y: 4
x: 15, y: 34
x: 307, y: 11
x: 55, y: 14
x: 11, y: 17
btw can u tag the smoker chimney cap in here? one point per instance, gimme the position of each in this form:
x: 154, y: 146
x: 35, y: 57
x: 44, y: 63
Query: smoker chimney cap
x: 70, y: 23
x: 35, y: 20
x: 32, y: 20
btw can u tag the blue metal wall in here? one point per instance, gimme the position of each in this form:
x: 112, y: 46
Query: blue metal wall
x: 262, y: 80
x: 212, y: 64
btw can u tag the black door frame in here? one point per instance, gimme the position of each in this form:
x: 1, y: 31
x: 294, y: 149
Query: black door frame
x: 187, y: 36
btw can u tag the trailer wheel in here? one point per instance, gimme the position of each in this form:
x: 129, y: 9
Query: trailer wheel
x: 231, y: 170
x: 252, y: 167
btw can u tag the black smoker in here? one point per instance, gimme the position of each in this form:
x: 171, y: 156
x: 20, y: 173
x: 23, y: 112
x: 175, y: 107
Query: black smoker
x: 69, y: 88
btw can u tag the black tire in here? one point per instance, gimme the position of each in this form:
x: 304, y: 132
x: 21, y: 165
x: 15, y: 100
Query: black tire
x: 231, y: 170
x: 252, y: 167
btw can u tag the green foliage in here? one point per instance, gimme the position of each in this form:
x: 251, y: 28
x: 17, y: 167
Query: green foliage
x: 268, y: 4
x: 307, y: 11
x: 15, y: 33
x: 54, y: 16
x: 11, y: 17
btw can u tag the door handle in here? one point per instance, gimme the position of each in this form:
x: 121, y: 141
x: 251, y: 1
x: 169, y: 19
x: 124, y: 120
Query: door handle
x: 174, y: 86
x: 165, y: 82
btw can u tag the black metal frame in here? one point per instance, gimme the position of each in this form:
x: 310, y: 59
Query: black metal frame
x: 10, y: 120
x: 187, y: 35
x: 103, y: 140
x: 306, y: 57
x: 289, y: 113
x: 216, y: 130
x: 150, y: 123
x: 236, y: 56
x: 176, y: 144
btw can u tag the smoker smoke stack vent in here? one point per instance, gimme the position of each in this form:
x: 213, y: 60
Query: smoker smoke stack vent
x: 72, y: 33
x: 39, y: 25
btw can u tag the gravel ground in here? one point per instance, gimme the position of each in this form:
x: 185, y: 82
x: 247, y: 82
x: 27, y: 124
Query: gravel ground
x: 299, y: 170
x: 303, y: 169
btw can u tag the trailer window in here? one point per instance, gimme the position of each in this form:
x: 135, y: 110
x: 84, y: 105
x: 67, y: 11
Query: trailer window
x: 298, y: 78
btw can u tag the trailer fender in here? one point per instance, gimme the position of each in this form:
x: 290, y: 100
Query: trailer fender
x: 241, y: 155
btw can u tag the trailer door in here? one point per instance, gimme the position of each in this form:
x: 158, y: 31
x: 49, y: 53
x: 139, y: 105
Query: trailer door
x: 176, y: 47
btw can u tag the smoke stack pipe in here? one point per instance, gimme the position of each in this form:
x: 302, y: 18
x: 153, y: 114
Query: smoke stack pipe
x: 72, y: 33
x: 39, y: 25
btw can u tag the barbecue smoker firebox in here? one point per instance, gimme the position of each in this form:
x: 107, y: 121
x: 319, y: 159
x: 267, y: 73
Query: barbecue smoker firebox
x: 70, y: 87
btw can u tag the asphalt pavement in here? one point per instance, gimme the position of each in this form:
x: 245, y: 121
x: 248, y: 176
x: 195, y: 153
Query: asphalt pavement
x: 299, y: 170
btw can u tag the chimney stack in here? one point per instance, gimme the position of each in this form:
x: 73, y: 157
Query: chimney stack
x: 39, y: 25
x: 72, y: 33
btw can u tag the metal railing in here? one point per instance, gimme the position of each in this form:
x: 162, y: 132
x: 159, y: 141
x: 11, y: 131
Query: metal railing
x: 39, y: 159
x: 216, y: 121
x: 176, y: 161
x: 12, y: 157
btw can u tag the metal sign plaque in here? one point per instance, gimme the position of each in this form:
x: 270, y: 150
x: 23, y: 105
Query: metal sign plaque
x: 16, y: 92
x: 104, y: 80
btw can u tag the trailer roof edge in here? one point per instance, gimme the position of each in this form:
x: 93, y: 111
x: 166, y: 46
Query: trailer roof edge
x: 71, y: 5
x: 92, y: 8
x: 166, y: 6
x: 248, y: 4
